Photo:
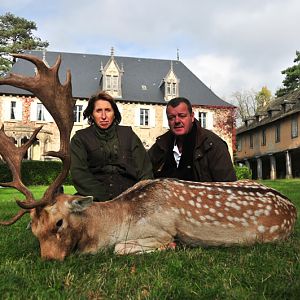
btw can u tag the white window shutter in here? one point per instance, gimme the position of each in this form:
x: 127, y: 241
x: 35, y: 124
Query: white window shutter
x: 165, y: 119
x: 120, y: 108
x: 209, y: 120
x: 6, y: 110
x: 47, y: 115
x: 33, y: 111
x: 84, y: 106
x: 137, y: 117
x: 152, y: 117
x: 19, y: 110
x: 196, y: 114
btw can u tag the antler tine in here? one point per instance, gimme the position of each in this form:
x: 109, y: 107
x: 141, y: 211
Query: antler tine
x: 58, y: 100
x: 14, y: 219
x: 13, y: 156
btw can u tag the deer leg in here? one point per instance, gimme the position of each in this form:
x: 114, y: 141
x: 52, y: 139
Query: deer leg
x: 144, y: 245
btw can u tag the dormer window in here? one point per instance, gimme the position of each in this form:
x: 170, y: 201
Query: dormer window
x: 112, y: 77
x: 171, y: 85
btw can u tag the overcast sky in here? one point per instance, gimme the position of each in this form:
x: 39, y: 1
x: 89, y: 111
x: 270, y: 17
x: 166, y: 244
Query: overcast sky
x: 231, y: 45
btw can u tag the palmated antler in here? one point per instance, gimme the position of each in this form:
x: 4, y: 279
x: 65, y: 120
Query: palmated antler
x: 58, y: 100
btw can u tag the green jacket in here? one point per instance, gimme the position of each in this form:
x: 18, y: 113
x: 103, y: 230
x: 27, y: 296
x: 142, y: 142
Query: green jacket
x: 104, y: 163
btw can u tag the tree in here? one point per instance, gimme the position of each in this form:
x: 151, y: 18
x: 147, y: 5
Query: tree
x: 292, y: 78
x: 263, y: 98
x: 245, y: 103
x: 15, y: 37
x: 249, y: 102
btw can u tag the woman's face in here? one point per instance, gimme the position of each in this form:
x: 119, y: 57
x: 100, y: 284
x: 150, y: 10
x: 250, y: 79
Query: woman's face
x: 103, y: 114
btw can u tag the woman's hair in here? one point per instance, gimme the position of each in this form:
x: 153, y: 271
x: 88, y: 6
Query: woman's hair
x: 88, y: 112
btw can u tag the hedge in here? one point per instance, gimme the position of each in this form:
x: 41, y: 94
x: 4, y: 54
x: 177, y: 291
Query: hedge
x: 35, y: 172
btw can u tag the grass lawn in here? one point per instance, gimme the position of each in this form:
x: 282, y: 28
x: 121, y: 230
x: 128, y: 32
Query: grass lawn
x: 256, y: 272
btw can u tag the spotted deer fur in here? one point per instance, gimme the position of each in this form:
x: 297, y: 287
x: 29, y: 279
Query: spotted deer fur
x: 154, y: 213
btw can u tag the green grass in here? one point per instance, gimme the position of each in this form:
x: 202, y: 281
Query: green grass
x: 256, y: 272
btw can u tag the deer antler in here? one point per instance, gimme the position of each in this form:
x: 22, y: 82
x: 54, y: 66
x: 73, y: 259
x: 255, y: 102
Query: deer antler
x: 13, y: 156
x: 58, y: 100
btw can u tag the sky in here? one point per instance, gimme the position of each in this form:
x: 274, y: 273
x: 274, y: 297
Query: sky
x: 231, y: 45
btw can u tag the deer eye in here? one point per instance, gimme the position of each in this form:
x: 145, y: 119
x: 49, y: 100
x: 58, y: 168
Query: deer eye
x: 59, y: 223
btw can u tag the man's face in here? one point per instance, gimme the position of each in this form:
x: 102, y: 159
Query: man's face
x: 180, y: 119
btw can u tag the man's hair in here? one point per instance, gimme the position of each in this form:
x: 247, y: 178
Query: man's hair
x: 176, y: 101
x: 88, y: 112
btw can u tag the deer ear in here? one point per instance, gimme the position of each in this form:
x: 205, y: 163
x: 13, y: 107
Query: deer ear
x: 80, y: 203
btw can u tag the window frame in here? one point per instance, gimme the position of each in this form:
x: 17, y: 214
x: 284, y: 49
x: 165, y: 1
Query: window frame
x: 13, y: 110
x: 77, y: 113
x: 202, y: 117
x: 251, y: 141
x: 264, y: 137
x: 144, y: 116
x: 294, y: 127
x: 40, y: 112
x: 277, y: 133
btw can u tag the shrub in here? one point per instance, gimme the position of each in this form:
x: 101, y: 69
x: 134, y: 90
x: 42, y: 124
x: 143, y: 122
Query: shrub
x: 35, y: 172
x: 242, y: 172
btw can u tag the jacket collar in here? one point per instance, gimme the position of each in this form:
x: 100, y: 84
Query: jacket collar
x: 167, y: 138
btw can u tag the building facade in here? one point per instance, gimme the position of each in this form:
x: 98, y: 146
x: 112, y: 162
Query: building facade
x: 269, y: 142
x: 141, y: 87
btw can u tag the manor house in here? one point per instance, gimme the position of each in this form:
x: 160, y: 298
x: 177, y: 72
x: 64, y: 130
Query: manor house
x: 141, y: 86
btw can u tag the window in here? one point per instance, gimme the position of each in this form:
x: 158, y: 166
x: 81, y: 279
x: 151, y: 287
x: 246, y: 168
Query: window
x: 13, y: 107
x: 172, y: 89
x: 251, y: 140
x: 112, y: 82
x: 294, y: 127
x: 77, y: 113
x: 277, y: 133
x: 169, y: 88
x: 144, y: 117
x: 239, y: 144
x: 263, y: 137
x: 40, y: 112
x: 202, y: 119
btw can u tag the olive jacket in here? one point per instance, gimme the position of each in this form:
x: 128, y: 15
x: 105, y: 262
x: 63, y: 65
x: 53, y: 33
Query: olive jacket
x: 211, y: 159
x: 104, y: 163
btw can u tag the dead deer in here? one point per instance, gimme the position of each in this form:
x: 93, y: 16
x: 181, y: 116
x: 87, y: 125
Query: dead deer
x: 148, y: 216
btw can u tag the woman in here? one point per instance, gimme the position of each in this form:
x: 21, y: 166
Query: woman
x: 106, y: 158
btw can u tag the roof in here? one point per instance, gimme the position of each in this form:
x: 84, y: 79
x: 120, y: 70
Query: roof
x: 279, y: 108
x: 138, y: 72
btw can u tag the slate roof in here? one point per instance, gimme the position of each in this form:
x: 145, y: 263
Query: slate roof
x: 86, y: 76
x: 279, y: 108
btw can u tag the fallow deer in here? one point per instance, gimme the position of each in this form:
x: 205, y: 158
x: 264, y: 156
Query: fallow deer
x: 148, y: 216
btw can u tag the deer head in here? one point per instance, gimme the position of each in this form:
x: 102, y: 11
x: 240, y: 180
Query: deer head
x: 58, y: 100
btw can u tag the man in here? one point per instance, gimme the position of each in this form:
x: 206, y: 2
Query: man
x: 188, y: 151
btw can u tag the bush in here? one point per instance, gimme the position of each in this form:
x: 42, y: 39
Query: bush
x: 242, y: 172
x: 35, y: 172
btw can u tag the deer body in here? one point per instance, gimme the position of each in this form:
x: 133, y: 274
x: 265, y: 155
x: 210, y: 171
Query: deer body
x: 153, y: 213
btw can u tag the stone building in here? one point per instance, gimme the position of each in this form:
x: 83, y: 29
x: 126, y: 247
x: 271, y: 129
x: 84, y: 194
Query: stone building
x: 141, y: 86
x: 269, y: 142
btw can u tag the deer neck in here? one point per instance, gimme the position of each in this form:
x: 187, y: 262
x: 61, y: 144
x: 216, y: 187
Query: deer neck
x: 103, y: 225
